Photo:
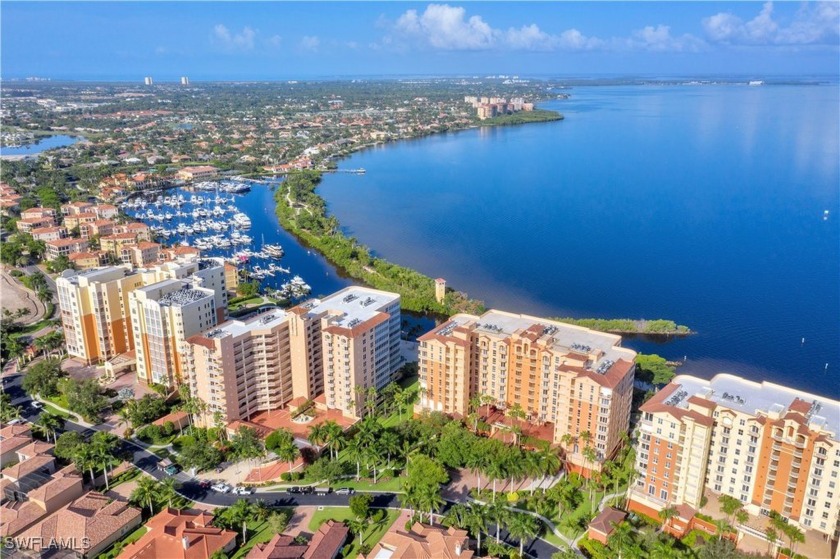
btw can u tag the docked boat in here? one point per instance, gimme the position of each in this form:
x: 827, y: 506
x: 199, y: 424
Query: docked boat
x: 274, y: 251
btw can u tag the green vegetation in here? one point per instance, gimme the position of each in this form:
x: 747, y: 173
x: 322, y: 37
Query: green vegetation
x: 303, y: 212
x: 522, y: 117
x: 658, y: 327
x: 116, y: 549
x: 84, y: 397
x: 373, y: 530
x: 200, y: 449
x: 654, y: 369
x: 263, y: 530
x: 143, y: 411
x: 42, y: 378
x: 98, y: 454
x: 152, y: 495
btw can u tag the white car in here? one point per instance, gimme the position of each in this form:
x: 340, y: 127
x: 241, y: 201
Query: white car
x: 243, y: 491
x: 37, y: 405
x: 17, y: 421
x: 221, y: 488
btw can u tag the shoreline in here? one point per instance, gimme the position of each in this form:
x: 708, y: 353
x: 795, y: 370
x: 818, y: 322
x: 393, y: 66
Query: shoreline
x: 353, y: 260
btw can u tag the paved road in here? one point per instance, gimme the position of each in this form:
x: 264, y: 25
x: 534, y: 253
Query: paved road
x: 148, y: 462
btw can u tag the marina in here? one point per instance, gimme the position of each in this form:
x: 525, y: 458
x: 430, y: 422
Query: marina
x: 207, y: 216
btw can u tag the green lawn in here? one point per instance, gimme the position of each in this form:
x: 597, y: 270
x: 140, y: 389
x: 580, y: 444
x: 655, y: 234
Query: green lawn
x: 258, y: 532
x: 118, y: 546
x: 371, y: 535
x: 55, y: 411
x: 393, y: 484
x: 59, y: 400
x: 568, y: 523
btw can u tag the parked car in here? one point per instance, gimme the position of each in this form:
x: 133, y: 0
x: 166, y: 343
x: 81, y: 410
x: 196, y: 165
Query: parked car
x: 345, y: 491
x: 171, y: 470
x: 221, y: 488
x: 292, y: 490
x: 17, y: 421
x: 36, y: 404
x: 205, y: 483
x: 306, y: 490
x: 243, y: 491
x: 323, y: 491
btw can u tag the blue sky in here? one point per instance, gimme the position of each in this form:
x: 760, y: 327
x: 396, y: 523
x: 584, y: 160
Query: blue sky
x: 261, y: 40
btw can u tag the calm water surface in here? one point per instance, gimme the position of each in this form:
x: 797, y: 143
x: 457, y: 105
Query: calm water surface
x: 704, y: 205
x: 42, y: 144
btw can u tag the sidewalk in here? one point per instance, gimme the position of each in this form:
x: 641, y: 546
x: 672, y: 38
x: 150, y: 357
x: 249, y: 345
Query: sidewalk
x: 76, y: 417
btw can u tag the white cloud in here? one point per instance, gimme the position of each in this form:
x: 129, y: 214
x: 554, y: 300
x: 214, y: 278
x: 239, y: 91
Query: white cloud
x: 445, y: 27
x: 242, y: 41
x: 816, y: 23
x: 572, y: 39
x: 275, y: 41
x: 659, y: 38
x: 310, y: 43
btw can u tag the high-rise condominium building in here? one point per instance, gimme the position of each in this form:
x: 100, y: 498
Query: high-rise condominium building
x: 209, y: 273
x: 570, y: 379
x: 94, y: 311
x: 359, y: 345
x: 163, y: 316
x: 333, y: 348
x: 241, y: 367
x: 772, y: 447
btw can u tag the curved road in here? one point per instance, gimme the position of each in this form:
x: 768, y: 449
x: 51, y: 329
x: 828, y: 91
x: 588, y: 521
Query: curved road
x: 148, y: 462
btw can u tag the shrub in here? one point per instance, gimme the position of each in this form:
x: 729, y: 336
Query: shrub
x: 168, y: 428
x: 285, y: 476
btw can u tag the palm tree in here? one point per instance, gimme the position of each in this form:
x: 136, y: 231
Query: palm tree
x: 357, y: 453
x: 49, y: 424
x: 567, y: 440
x: 85, y: 459
x: 522, y: 526
x: 517, y: 413
x: 333, y: 437
x: 730, y: 506
x: 551, y: 463
x: 498, y: 514
x: 146, y: 492
x: 357, y: 526
x: 8, y: 412
x: 567, y: 495
x: 477, y: 461
x: 477, y: 522
x: 457, y: 516
x: 621, y: 538
x: 722, y: 526
x: 589, y: 456
x: 260, y: 510
x: 317, y: 434
x: 664, y: 549
x: 241, y: 512
x: 666, y: 514
x: 772, y: 536
x: 168, y: 490
x: 533, y: 468
x: 288, y: 451
x: 104, y: 445
x: 495, y: 470
x: 389, y: 443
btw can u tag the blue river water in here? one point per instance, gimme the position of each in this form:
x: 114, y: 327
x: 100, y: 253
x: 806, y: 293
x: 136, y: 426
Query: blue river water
x: 701, y: 204
x: 42, y: 144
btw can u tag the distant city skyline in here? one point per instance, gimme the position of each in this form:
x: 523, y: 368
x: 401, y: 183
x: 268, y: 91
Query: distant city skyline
x: 264, y: 41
